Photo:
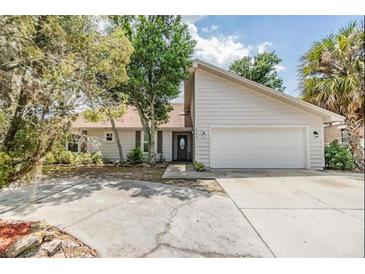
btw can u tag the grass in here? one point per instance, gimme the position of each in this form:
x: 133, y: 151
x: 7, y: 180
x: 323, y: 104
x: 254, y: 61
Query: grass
x: 137, y: 172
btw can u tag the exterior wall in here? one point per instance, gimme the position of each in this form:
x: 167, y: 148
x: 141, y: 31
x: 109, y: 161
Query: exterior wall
x: 332, y: 133
x: 219, y: 102
x: 127, y: 137
x: 192, y: 113
x: 167, y: 145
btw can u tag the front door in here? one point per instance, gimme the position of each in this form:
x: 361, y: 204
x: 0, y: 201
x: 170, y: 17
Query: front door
x: 182, y: 147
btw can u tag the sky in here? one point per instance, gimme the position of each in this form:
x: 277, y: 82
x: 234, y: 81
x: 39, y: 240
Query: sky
x: 223, y: 39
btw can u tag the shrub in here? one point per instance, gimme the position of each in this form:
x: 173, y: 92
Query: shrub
x: 85, y: 158
x: 73, y: 158
x: 4, y: 168
x: 49, y: 159
x: 66, y: 157
x: 339, y: 157
x: 135, y: 155
x: 199, y: 166
x: 97, y: 158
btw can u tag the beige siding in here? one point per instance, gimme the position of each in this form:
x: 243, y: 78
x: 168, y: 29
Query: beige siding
x: 219, y: 102
x: 127, y: 138
x: 167, y: 145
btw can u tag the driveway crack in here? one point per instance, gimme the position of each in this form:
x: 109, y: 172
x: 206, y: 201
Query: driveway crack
x: 324, y: 203
x: 166, y: 229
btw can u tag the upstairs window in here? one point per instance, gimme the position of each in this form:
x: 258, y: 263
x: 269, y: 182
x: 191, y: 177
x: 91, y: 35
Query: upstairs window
x: 109, y: 137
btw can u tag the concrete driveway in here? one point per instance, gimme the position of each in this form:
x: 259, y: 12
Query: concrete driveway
x: 301, y: 213
x: 121, y: 218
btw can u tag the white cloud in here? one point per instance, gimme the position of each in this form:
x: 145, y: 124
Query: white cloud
x: 219, y: 50
x: 210, y: 29
x: 264, y: 47
x: 191, y: 19
x: 280, y: 68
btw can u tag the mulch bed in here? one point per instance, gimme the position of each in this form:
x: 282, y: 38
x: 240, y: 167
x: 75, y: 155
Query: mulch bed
x: 11, y: 231
x: 15, y: 235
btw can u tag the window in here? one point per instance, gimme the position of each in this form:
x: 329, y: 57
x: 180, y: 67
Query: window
x: 109, y: 137
x: 138, y: 138
x: 159, y: 142
x: 145, y: 143
x: 345, y: 138
x: 73, y: 144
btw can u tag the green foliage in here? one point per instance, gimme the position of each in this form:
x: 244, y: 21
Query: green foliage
x: 73, y: 158
x: 103, y: 114
x: 261, y: 68
x: 332, y: 71
x: 135, y: 155
x: 49, y: 159
x: 163, y: 48
x: 4, y: 168
x: 85, y: 158
x: 332, y: 77
x: 199, y: 166
x: 49, y: 66
x: 97, y: 158
x: 339, y: 157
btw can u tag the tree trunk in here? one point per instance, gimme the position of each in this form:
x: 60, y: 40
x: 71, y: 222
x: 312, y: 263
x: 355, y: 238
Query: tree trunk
x: 353, y: 126
x: 151, y: 145
x: 115, y: 131
x: 16, y: 122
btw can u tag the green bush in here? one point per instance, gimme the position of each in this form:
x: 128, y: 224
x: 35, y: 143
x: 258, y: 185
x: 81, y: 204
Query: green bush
x: 97, y: 158
x: 65, y: 157
x: 85, y: 158
x: 73, y: 158
x: 4, y: 168
x: 135, y: 155
x: 199, y: 166
x: 49, y: 159
x: 339, y: 157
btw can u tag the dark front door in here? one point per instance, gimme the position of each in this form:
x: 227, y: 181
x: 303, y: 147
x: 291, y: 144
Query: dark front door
x: 182, y: 147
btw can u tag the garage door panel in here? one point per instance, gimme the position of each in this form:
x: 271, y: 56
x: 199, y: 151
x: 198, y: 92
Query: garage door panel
x: 258, y: 148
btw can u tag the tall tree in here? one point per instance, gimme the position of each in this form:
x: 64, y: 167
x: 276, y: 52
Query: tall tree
x: 113, y: 52
x: 262, y: 68
x: 48, y: 68
x: 332, y: 76
x: 162, y: 53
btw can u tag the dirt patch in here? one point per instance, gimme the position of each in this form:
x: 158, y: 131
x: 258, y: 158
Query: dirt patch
x: 137, y: 172
x: 207, y: 185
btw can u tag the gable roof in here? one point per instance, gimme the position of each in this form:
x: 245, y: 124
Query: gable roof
x: 178, y: 119
x: 327, y: 116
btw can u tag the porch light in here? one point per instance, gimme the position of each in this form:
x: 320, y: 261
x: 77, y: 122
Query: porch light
x: 315, y: 133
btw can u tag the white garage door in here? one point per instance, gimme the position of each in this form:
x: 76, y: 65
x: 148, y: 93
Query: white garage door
x: 260, y: 147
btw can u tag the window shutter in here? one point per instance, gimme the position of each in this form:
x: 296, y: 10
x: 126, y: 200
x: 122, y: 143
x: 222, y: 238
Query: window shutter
x: 159, y: 142
x: 138, y: 138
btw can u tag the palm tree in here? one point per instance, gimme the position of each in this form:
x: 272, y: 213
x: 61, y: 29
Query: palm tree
x: 332, y: 76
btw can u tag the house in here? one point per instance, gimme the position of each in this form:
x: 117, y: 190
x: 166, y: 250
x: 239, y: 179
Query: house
x: 337, y: 131
x: 227, y: 121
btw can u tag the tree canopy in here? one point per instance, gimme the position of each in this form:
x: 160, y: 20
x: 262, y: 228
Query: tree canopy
x: 162, y: 53
x: 332, y: 76
x: 50, y: 67
x: 261, y: 68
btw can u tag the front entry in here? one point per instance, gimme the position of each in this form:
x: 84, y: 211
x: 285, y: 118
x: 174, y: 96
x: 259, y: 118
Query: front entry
x: 182, y: 147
